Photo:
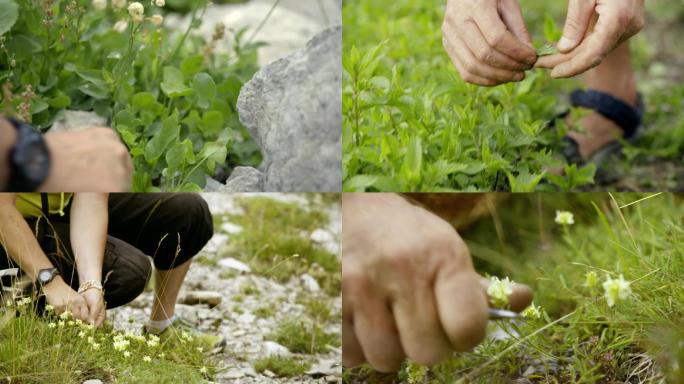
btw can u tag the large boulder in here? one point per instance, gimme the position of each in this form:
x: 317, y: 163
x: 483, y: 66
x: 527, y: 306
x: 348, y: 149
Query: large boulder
x: 293, y: 109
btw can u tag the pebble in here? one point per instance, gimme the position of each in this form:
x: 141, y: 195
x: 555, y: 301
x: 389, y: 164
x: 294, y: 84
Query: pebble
x: 93, y: 381
x: 234, y: 264
x: 212, y: 299
x: 271, y: 348
x: 310, y: 283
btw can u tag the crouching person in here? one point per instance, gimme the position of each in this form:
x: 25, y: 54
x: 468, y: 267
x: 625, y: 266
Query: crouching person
x: 88, y: 252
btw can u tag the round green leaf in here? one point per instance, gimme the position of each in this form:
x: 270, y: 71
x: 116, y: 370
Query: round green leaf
x: 8, y: 16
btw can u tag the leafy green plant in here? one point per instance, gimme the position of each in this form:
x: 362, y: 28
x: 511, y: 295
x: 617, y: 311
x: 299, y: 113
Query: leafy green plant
x: 411, y: 124
x: 169, y: 94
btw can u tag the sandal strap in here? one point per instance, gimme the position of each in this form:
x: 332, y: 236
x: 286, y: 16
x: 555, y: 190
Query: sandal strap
x: 625, y: 116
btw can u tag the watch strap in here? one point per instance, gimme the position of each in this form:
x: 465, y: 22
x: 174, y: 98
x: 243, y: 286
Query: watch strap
x: 21, y: 179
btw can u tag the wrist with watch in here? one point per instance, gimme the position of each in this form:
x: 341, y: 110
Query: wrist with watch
x: 29, y: 159
x: 47, y: 275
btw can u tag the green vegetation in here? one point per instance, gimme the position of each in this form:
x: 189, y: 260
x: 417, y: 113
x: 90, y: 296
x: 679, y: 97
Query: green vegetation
x: 580, y: 337
x: 303, y: 335
x: 411, y: 124
x: 276, y: 239
x: 56, y: 349
x: 282, y: 366
x: 170, y: 95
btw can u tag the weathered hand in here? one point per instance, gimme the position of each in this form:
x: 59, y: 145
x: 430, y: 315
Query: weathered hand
x: 593, y: 29
x: 63, y: 298
x: 487, y: 40
x: 97, y: 313
x: 93, y: 160
x: 409, y: 287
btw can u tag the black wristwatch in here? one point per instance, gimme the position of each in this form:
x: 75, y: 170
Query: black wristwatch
x: 45, y: 276
x: 29, y: 159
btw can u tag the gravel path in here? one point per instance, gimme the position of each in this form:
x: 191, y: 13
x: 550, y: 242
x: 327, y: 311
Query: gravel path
x: 234, y: 317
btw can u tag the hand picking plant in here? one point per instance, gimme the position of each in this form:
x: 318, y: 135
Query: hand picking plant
x: 71, y: 351
x: 410, y: 124
x: 169, y: 94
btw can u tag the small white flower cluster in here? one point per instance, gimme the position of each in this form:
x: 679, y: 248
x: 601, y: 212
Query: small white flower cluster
x: 616, y: 290
x: 499, y: 290
x: 137, y: 11
x: 121, y: 343
x: 531, y: 312
x: 100, y: 5
x: 24, y: 302
x: 564, y: 218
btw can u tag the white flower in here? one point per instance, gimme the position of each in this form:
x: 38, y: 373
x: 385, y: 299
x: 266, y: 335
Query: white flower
x: 120, y: 26
x: 100, y: 5
x: 156, y: 19
x: 499, y: 290
x: 9, y: 303
x: 564, y: 218
x: 127, y: 354
x: 531, y: 312
x: 136, y: 10
x: 616, y: 289
x: 158, y: 3
x: 119, y: 4
x: 81, y: 334
x: 203, y: 370
x: 65, y: 315
x: 52, y: 325
x: 49, y: 308
x: 147, y: 359
x: 95, y: 346
x: 200, y: 349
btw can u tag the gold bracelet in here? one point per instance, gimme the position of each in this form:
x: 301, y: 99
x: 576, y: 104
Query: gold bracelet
x: 90, y: 284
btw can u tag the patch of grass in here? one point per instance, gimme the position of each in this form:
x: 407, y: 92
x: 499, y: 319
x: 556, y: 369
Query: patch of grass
x: 248, y: 288
x: 317, y: 308
x: 282, y: 366
x: 55, y: 350
x: 265, y: 312
x: 304, y: 336
x: 275, y: 239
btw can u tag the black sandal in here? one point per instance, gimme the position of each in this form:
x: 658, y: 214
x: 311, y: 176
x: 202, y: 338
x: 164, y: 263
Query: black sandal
x: 628, y: 118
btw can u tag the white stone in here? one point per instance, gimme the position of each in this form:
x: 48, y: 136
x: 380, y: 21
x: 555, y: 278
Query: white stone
x: 231, y: 228
x: 93, y: 381
x: 230, y: 263
x: 246, y: 318
x: 271, y: 348
x: 309, y: 283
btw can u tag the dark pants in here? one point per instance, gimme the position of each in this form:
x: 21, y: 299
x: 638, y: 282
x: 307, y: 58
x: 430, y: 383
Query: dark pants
x: 169, y: 228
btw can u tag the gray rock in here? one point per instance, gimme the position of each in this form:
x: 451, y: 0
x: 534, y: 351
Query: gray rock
x: 212, y: 299
x: 271, y: 348
x: 293, y: 109
x: 78, y: 121
x: 243, y: 179
x: 237, y: 265
x: 326, y: 367
x: 93, y: 381
x: 309, y: 283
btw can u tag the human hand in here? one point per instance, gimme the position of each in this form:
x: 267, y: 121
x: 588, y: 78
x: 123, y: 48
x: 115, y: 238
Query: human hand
x: 409, y: 287
x: 97, y: 313
x: 63, y: 298
x: 92, y: 160
x: 487, y: 40
x: 584, y: 46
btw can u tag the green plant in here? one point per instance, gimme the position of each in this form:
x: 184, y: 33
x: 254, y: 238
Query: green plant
x: 302, y: 335
x: 169, y: 94
x: 411, y: 124
x: 58, y: 349
x: 282, y: 366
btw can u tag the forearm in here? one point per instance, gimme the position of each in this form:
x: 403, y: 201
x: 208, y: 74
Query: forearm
x: 8, y: 136
x: 88, y: 231
x: 18, y: 239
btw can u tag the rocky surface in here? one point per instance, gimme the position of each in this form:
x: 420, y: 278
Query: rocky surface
x: 293, y: 109
x: 244, y: 179
x: 235, y: 314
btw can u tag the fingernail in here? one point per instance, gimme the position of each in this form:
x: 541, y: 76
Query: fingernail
x: 564, y: 44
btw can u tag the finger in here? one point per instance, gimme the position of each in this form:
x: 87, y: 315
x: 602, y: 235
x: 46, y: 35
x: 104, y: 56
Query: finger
x: 592, y: 51
x: 377, y: 334
x: 462, y: 306
x: 484, y: 70
x: 576, y: 24
x: 420, y: 330
x: 551, y: 61
x: 465, y: 75
x: 512, y: 17
x: 519, y: 299
x: 479, y: 47
x: 494, y: 30
x: 352, y: 353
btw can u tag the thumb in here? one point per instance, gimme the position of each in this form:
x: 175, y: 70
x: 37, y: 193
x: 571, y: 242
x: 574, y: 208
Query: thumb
x: 576, y: 24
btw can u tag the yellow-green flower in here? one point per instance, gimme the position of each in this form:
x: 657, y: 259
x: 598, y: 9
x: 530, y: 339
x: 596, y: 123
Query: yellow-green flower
x: 591, y: 279
x: 499, y: 290
x: 616, y: 290
x: 531, y: 312
x: 564, y: 218
x: 147, y: 359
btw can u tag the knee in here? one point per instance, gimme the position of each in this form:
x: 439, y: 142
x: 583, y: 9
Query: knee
x: 193, y: 211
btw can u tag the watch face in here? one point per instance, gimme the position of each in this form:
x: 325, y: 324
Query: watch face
x: 44, y: 276
x: 30, y: 158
